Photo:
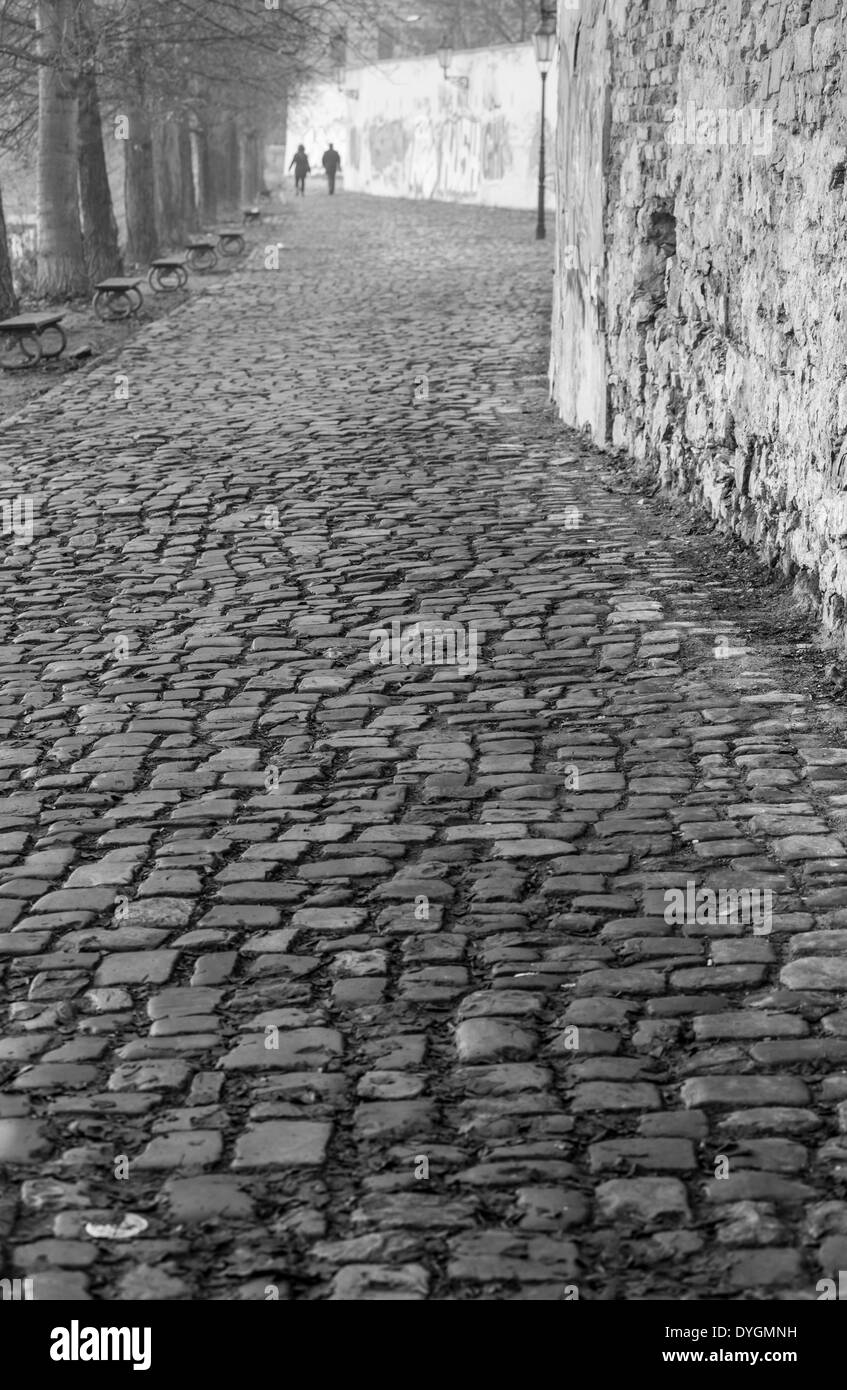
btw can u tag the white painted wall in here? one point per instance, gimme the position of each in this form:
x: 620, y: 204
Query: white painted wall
x: 403, y: 131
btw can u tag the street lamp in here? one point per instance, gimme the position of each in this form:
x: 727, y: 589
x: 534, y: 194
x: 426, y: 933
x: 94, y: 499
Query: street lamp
x: 445, y: 58
x: 545, y: 51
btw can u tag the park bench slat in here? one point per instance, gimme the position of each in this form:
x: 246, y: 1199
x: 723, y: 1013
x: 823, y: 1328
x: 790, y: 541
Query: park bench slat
x: 166, y: 261
x: 119, y: 282
x: 35, y: 321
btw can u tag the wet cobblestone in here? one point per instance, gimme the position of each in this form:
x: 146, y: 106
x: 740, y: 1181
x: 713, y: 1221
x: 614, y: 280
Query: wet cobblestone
x: 334, y: 977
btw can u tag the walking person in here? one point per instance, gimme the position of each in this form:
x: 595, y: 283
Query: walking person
x: 301, y: 166
x: 332, y: 163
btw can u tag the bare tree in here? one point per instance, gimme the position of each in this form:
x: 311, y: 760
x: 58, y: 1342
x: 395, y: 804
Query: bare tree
x: 61, y: 264
x: 176, y: 207
x: 142, y: 239
x: 99, y: 228
x: 8, y: 298
x: 464, y: 23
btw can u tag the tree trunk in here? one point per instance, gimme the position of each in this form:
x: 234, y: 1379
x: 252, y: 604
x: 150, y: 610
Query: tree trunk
x: 188, y: 198
x: 251, y: 174
x: 141, y: 235
x: 61, y: 263
x: 8, y: 299
x: 246, y: 190
x: 207, y: 205
x: 230, y: 173
x: 167, y: 172
x: 259, y: 161
x: 99, y: 228
x: 223, y: 169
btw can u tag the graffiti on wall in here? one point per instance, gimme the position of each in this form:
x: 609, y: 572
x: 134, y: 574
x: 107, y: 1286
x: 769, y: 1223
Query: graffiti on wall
x: 422, y: 157
x: 458, y: 151
x: 496, y: 148
x: 436, y: 156
x: 387, y: 141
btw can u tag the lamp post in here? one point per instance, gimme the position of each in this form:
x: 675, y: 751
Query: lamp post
x: 445, y: 59
x: 544, y: 39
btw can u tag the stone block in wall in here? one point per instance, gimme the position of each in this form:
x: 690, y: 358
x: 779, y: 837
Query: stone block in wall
x: 775, y: 71
x: 826, y: 48
x: 803, y: 49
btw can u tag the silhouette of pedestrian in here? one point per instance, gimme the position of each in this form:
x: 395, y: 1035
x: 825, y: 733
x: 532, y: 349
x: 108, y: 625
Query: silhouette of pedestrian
x: 332, y: 163
x: 301, y: 166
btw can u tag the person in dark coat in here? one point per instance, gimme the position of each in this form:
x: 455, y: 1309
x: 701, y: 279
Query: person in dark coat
x: 332, y: 163
x: 301, y: 166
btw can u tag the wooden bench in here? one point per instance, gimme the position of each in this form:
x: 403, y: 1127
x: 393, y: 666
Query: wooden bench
x: 167, y: 273
x: 117, y: 298
x: 201, y: 256
x: 231, y: 242
x: 26, y: 338
x: 252, y: 215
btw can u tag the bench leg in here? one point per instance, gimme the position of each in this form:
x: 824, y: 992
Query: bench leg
x: 162, y: 280
x: 18, y: 350
x: 112, y: 304
x: 52, y: 340
x: 201, y: 262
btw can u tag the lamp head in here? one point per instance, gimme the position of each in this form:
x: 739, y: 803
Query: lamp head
x: 544, y: 40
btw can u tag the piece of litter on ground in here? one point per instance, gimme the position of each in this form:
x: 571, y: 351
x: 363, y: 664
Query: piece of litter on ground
x: 131, y: 1225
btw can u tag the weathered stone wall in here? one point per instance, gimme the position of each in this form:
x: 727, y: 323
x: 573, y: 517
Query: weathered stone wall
x: 725, y: 228
x: 578, y: 367
x: 403, y: 131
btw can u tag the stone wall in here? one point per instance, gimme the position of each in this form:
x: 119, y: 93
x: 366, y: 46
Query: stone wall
x: 579, y: 373
x: 724, y: 217
x: 403, y: 131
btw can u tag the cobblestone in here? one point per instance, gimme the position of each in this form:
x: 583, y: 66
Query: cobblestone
x: 360, y: 971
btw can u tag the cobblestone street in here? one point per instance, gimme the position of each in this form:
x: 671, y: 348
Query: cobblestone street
x: 334, y: 977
